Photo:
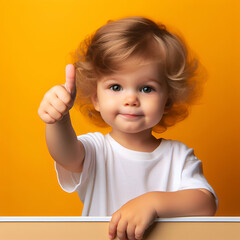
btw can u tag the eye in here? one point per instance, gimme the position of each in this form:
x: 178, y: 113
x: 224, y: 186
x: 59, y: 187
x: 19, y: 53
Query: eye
x: 116, y: 88
x: 147, y: 89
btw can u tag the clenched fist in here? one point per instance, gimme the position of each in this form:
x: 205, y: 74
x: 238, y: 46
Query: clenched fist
x: 59, y: 100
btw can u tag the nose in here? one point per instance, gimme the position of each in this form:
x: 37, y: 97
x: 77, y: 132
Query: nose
x: 131, y: 99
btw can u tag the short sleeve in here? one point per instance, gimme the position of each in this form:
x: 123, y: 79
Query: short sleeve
x: 71, y: 181
x: 192, y: 174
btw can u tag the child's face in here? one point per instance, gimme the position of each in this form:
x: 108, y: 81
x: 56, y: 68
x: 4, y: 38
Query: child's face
x: 133, y: 100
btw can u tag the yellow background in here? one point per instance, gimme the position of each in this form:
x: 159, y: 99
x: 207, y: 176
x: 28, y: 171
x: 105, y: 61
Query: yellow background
x: 36, y: 38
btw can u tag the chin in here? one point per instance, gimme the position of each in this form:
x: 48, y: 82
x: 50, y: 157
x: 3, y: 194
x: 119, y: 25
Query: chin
x: 133, y: 130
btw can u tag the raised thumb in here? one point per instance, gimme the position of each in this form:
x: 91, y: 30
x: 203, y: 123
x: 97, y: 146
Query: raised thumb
x: 70, y: 83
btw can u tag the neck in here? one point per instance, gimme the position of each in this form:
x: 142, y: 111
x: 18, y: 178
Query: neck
x: 141, y: 141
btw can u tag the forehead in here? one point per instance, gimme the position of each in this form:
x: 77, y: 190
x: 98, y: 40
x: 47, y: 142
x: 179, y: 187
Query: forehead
x: 137, y: 69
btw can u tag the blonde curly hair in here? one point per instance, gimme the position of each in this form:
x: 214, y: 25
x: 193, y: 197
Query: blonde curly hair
x: 106, y: 51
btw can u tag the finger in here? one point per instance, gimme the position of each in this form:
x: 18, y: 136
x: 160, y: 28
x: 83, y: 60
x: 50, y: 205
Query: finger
x: 47, y: 118
x: 63, y: 95
x: 53, y: 113
x: 59, y: 105
x: 139, y: 231
x: 113, y: 225
x: 121, y: 230
x: 70, y: 83
x: 131, y: 231
x: 44, y: 116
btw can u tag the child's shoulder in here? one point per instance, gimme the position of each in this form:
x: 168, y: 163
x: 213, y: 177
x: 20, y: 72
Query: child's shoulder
x: 178, y: 151
x: 95, y: 138
x: 175, y: 145
x: 92, y: 135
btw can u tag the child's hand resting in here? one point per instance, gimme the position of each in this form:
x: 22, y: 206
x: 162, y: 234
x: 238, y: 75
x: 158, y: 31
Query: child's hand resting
x: 133, y: 218
x: 59, y: 100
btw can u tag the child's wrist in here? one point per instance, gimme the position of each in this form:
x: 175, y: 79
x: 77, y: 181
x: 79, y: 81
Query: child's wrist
x: 159, y: 203
x: 155, y: 202
x: 65, y: 119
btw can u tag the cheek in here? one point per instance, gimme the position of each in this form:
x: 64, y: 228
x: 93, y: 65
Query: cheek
x: 155, y: 108
x: 108, y: 106
x: 157, y: 103
x: 108, y: 112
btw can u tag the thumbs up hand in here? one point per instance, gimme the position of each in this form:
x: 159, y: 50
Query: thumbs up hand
x: 59, y: 100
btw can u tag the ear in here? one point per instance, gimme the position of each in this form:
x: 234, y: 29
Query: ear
x: 95, y: 101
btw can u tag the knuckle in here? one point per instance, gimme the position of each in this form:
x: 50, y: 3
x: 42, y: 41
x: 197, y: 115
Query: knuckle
x: 139, y: 236
x: 68, y: 98
x: 48, y: 97
x: 131, y: 236
x: 120, y: 231
x: 41, y: 114
x: 139, y: 233
x: 65, y: 97
x: 57, y: 88
x: 59, y: 105
x: 54, y: 102
x: 64, y: 109
x: 59, y: 116
x: 131, y: 232
x: 50, y: 92
x: 115, y: 217
x: 48, y: 119
x: 54, y: 114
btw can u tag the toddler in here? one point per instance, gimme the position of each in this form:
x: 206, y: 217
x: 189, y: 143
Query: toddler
x: 136, y: 77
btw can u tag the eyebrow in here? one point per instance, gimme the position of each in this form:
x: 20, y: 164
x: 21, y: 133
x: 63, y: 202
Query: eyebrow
x: 112, y: 79
x: 107, y: 81
x: 157, y: 81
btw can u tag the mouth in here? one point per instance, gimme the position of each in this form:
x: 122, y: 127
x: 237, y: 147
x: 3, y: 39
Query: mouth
x: 130, y: 116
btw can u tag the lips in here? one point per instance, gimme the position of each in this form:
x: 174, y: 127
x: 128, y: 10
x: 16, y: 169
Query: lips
x: 131, y: 115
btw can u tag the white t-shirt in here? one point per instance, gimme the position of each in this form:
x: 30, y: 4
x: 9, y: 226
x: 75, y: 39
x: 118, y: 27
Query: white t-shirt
x: 112, y: 174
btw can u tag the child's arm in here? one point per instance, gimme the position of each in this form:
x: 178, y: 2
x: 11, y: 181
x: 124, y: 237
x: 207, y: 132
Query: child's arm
x: 60, y: 137
x: 133, y: 218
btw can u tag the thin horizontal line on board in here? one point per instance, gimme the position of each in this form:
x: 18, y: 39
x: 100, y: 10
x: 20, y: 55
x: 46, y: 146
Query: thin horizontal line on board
x: 107, y: 219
